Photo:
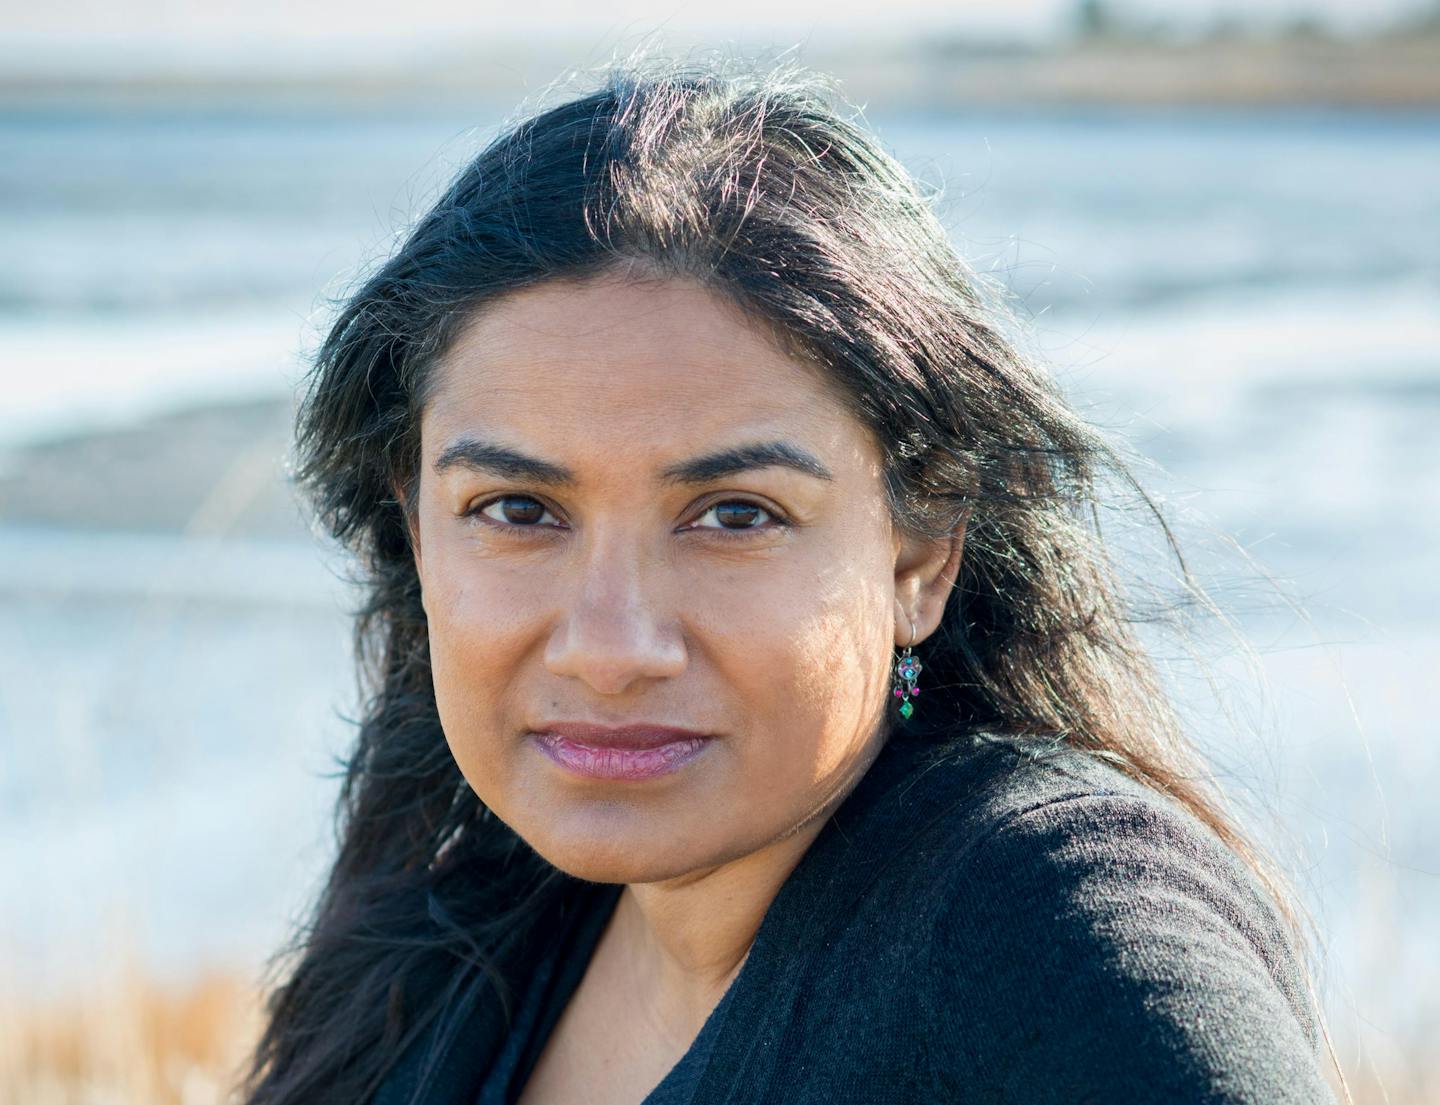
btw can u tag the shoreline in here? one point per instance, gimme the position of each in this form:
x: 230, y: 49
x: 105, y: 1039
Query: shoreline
x: 216, y: 468
x: 943, y: 71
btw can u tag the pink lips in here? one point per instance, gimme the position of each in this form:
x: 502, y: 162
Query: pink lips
x: 633, y: 752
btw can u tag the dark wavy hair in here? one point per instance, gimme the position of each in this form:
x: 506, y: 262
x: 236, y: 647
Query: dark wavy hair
x: 756, y: 182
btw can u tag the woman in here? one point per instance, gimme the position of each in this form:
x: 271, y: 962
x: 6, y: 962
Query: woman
x: 754, y: 716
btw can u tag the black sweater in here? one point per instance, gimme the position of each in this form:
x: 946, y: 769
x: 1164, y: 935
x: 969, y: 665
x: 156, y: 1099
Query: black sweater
x: 982, y: 920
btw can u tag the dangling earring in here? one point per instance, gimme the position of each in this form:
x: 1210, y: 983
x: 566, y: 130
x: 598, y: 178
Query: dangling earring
x: 907, y: 670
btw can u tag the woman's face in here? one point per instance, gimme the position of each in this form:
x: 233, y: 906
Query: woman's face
x: 635, y: 510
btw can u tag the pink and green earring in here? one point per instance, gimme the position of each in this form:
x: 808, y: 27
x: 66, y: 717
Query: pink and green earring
x: 907, y: 670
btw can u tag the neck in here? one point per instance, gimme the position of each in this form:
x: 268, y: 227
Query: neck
x: 679, y: 943
x: 685, y: 939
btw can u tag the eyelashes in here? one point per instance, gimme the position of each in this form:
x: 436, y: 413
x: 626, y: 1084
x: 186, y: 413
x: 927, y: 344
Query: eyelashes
x: 478, y: 511
x: 533, y: 511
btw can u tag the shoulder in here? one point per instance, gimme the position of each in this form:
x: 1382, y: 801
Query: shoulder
x: 1090, y: 938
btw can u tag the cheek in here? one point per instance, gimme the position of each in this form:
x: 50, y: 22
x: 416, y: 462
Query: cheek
x: 839, y: 657
x: 810, y: 650
x: 476, y: 621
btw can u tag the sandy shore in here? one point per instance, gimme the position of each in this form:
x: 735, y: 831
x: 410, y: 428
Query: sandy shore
x: 218, y: 470
x: 943, y: 71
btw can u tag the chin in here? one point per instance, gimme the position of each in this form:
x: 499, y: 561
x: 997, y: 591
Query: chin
x: 619, y: 862
x: 618, y: 866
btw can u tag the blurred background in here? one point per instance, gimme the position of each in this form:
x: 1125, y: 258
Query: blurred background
x: 1218, y: 222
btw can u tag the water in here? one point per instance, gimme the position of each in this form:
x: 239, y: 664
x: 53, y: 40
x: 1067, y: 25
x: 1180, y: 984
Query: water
x: 1248, y: 300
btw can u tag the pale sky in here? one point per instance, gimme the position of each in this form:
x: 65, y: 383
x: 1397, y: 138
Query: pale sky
x: 420, y: 19
x: 245, y: 37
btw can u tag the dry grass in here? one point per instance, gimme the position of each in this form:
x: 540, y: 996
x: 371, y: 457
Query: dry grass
x: 130, y: 1041
x: 134, y: 1041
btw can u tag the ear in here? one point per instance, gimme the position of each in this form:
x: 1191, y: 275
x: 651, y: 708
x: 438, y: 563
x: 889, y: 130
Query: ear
x: 925, y: 572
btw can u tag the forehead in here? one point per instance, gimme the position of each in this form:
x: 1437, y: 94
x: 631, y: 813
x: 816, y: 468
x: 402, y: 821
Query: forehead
x: 611, y: 362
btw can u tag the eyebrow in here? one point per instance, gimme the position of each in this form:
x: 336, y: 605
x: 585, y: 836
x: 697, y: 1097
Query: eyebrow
x: 488, y: 458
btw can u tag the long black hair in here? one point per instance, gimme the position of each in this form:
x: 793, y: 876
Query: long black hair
x: 758, y: 183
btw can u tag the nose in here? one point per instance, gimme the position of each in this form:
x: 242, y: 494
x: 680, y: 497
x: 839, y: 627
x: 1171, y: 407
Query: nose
x: 614, y: 629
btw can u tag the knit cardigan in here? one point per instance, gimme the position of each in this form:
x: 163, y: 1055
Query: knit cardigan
x: 983, y: 919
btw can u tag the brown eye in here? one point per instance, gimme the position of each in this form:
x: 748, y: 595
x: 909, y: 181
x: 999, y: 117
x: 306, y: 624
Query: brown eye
x: 739, y: 515
x: 515, y: 510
